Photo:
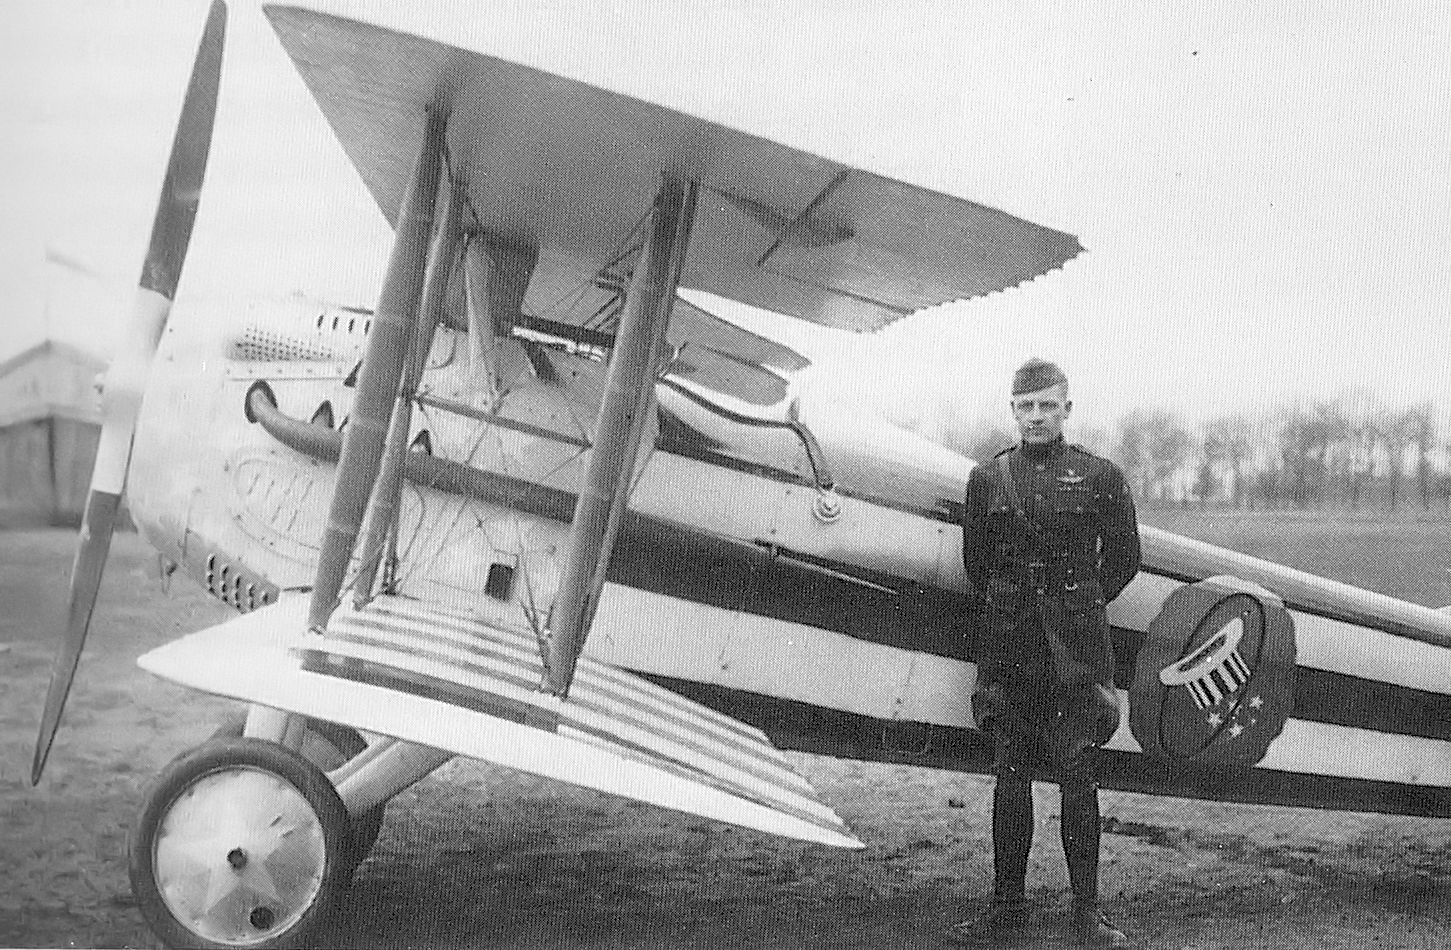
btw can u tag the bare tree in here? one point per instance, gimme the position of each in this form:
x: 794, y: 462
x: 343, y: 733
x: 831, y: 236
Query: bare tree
x: 1329, y: 429
x: 1419, y: 422
x: 1329, y: 452
x: 1132, y: 450
x: 1169, y: 447
x: 1396, y: 434
x: 1307, y: 436
x: 1269, y: 481
x: 1446, y: 479
x: 1361, y: 438
x: 1229, y: 441
x: 1206, y: 482
x: 1206, y: 475
x: 1297, y: 439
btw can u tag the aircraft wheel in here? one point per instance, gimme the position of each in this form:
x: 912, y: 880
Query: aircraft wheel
x: 239, y: 843
x: 326, y: 745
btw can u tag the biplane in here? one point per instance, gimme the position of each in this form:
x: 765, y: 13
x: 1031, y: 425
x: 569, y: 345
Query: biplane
x: 537, y: 509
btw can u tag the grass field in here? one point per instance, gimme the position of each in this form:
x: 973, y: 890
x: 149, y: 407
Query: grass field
x: 1406, y: 557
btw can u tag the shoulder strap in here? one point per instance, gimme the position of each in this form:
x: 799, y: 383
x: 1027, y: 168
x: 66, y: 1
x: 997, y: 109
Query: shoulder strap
x: 1011, y: 487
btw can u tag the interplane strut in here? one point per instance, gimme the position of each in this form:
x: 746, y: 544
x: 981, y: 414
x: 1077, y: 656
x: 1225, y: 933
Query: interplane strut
x: 384, y: 362
x: 629, y: 390
x: 380, y: 525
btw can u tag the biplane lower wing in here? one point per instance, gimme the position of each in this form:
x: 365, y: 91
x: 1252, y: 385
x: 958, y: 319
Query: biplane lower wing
x: 437, y: 677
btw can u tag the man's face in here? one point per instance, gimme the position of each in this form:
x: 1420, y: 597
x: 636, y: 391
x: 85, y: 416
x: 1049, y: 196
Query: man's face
x: 1040, y: 414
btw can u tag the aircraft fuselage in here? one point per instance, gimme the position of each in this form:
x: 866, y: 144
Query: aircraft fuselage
x: 806, y: 580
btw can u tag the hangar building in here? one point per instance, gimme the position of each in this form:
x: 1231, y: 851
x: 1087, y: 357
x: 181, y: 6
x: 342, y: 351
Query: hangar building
x: 50, y: 421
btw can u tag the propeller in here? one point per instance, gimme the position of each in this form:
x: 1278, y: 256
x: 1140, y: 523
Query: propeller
x: 126, y: 379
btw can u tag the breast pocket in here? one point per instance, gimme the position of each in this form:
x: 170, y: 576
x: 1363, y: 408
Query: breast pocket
x: 1074, y: 512
x: 1073, y: 501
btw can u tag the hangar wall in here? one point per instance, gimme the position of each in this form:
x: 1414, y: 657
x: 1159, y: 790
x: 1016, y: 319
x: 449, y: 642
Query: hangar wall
x: 49, y: 425
x: 45, y: 468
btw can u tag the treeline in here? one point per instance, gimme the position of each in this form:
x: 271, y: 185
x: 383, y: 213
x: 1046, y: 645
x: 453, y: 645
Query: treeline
x: 1349, y: 453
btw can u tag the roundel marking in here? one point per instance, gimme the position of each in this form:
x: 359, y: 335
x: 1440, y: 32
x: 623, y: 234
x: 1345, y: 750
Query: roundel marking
x: 1214, y: 681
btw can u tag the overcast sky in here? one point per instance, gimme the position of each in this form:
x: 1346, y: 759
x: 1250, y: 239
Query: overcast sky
x: 1264, y: 190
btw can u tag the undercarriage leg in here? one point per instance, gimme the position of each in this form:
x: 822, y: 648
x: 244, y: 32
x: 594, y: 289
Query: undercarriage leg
x: 275, y: 725
x: 379, y: 777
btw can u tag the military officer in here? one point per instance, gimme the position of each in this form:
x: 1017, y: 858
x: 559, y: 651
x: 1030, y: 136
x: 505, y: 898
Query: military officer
x: 1049, y: 537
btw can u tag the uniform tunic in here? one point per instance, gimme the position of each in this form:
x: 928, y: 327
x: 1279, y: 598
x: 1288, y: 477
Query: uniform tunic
x: 1038, y: 584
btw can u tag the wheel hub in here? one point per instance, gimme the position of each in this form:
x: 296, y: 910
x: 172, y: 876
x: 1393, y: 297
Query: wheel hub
x: 239, y: 856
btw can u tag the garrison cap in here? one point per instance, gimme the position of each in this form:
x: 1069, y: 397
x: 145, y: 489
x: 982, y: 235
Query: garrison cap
x: 1037, y: 374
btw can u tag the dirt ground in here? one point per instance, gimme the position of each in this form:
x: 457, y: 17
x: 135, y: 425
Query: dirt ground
x: 479, y: 857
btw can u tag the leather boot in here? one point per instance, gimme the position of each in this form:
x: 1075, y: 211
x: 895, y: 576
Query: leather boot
x: 1092, y: 929
x: 1002, y: 919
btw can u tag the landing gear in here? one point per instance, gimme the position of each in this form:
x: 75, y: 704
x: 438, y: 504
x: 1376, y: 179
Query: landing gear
x: 240, y: 843
x: 328, y: 746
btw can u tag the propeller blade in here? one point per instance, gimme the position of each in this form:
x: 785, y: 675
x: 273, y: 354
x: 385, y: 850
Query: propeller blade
x: 96, y: 528
x: 181, y: 191
x: 126, y: 379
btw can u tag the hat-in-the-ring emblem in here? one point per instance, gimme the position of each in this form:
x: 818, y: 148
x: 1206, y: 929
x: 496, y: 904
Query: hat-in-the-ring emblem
x: 1214, y: 679
x: 1214, y: 670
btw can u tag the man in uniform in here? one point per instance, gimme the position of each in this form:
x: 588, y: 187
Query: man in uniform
x: 1049, y: 538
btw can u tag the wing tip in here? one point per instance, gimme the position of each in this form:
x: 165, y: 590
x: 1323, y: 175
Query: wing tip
x: 1077, y: 251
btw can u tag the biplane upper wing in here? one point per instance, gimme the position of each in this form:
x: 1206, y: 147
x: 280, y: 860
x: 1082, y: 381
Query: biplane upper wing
x: 568, y: 169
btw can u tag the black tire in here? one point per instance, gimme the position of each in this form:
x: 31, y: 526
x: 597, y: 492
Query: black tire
x: 326, y: 745
x: 205, y: 771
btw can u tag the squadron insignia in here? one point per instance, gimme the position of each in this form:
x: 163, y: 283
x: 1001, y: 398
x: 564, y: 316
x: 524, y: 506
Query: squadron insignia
x: 1214, y: 681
